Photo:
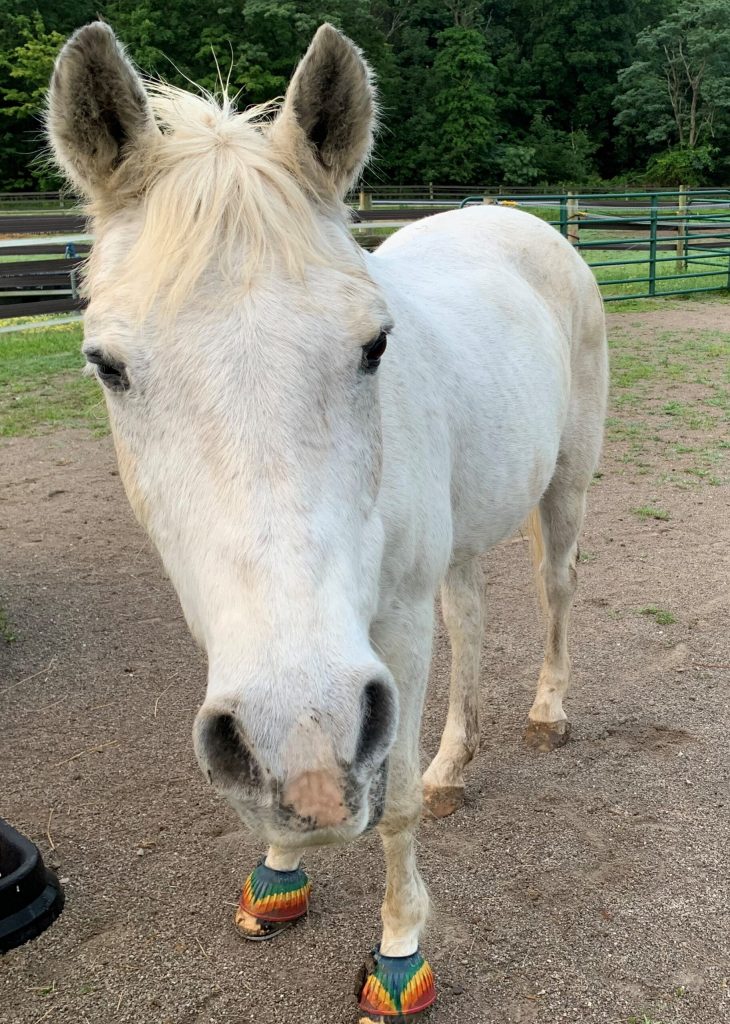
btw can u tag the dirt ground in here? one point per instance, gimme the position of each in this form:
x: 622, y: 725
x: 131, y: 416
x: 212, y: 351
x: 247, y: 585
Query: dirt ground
x: 588, y: 886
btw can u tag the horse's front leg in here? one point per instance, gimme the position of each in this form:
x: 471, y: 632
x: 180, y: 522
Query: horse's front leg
x: 461, y: 603
x: 399, y: 981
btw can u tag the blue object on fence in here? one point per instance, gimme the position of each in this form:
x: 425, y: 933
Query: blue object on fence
x: 70, y: 253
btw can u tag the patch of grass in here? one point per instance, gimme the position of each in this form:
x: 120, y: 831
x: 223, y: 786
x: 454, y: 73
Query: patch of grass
x: 41, y: 383
x: 646, y: 369
x: 721, y: 399
x: 651, y: 512
x: 703, y: 474
x: 7, y: 632
x: 629, y: 369
x: 626, y: 430
x: 674, y: 409
x: 661, y: 616
x: 41, y: 352
x: 633, y: 263
x: 672, y: 302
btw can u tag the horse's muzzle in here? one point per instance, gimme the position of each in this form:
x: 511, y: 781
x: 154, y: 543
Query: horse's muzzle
x: 326, y: 799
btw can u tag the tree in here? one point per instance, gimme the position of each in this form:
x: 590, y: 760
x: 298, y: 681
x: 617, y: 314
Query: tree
x: 487, y: 90
x: 462, y: 123
x: 677, y: 90
x: 29, y: 65
x: 559, y: 62
x: 27, y: 68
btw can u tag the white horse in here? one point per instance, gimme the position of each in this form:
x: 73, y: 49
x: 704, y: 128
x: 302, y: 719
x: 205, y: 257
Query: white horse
x: 317, y: 439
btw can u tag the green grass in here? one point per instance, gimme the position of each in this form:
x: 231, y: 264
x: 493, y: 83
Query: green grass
x: 7, y: 632
x: 661, y: 616
x: 29, y: 257
x: 672, y: 302
x: 628, y: 369
x: 714, y: 271
x: 41, y: 384
x: 651, y: 512
x: 670, y: 400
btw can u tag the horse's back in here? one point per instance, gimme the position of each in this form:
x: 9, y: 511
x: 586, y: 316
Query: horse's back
x: 508, y: 241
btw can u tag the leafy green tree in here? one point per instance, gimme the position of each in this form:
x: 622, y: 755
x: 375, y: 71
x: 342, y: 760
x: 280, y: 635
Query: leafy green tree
x: 255, y: 44
x: 29, y: 65
x: 487, y: 90
x: 560, y: 61
x: 681, y: 166
x: 461, y: 114
x: 26, y: 68
x: 677, y: 90
x: 560, y: 156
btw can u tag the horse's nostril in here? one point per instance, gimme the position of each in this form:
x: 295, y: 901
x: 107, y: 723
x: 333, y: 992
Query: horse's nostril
x: 379, y: 721
x: 224, y: 752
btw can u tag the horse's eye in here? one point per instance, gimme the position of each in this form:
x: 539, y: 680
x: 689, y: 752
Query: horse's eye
x: 373, y: 353
x: 111, y: 373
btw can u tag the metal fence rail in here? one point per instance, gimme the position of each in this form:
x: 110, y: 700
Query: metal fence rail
x: 420, y: 193
x: 695, y: 225
x: 639, y: 244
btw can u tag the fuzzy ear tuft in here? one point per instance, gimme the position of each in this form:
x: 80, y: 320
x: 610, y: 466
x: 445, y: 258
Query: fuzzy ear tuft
x: 325, y: 128
x: 98, y: 111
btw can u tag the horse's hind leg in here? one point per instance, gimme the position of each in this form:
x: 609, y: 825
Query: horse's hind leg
x: 461, y: 601
x: 561, y: 516
x: 559, y: 523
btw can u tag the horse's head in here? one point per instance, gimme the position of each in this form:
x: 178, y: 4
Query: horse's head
x: 237, y: 334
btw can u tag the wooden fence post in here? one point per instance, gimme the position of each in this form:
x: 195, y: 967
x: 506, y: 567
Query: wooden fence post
x: 573, y: 222
x: 682, y: 226
x: 366, y: 201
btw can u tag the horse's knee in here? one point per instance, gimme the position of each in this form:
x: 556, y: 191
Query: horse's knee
x: 401, y: 816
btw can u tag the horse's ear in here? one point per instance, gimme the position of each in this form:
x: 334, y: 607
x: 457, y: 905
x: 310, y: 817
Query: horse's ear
x: 325, y: 128
x: 98, y: 112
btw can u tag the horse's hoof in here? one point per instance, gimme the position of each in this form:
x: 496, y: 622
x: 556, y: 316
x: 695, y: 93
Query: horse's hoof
x: 271, y: 901
x: 441, y: 801
x: 256, y: 930
x: 546, y: 736
x: 394, y: 989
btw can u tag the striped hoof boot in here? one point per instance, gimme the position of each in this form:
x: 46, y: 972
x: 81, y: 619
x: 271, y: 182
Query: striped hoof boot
x: 271, y: 901
x: 393, y: 989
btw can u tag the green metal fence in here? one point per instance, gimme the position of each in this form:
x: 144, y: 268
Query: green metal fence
x: 638, y: 230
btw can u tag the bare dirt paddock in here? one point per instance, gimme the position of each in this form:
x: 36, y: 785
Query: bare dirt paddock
x: 589, y: 886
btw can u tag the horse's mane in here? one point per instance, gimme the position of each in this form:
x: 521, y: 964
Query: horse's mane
x: 212, y: 184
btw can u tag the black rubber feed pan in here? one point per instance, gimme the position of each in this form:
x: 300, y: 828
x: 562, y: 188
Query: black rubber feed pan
x: 31, y: 897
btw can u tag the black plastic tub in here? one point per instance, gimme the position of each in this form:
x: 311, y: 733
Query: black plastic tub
x: 31, y: 897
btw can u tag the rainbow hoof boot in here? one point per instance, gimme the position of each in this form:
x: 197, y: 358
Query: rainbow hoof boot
x: 271, y: 901
x: 393, y: 989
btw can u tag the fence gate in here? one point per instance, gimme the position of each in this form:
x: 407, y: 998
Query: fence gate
x: 641, y: 244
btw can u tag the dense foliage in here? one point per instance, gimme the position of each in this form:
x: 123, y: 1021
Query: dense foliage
x: 515, y: 91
